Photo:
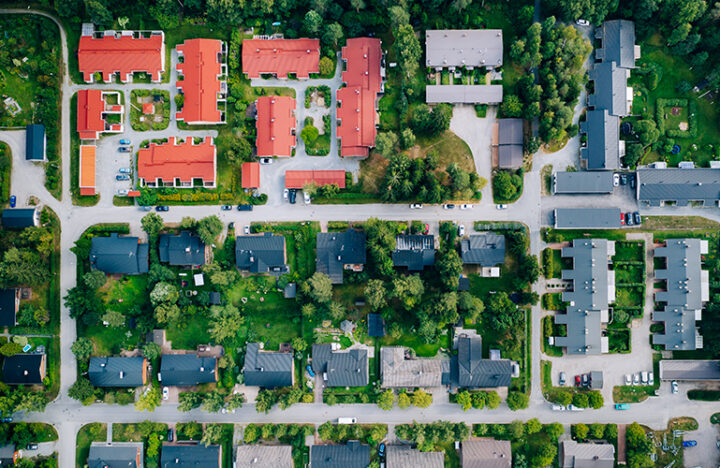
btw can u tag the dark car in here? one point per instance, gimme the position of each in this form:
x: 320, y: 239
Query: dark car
x: 623, y: 179
x: 7, y: 419
x: 122, y: 177
x: 13, y: 200
x: 632, y: 181
x: 162, y: 208
x: 170, y: 435
x: 629, y: 218
x: 637, y: 218
x: 291, y: 196
x: 124, y: 149
x: 245, y: 207
x: 226, y: 207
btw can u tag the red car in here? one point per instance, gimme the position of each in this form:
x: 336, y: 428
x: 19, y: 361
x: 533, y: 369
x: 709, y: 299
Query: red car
x: 577, y: 381
x: 622, y: 218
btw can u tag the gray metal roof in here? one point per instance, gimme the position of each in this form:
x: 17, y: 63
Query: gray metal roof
x: 610, y: 90
x: 117, y: 371
x: 398, y: 372
x: 264, y: 456
x: 583, y: 182
x: 680, y: 332
x: 9, y: 301
x: 117, y: 455
x: 267, y: 369
x: 19, y: 218
x: 584, y: 331
x: 486, y: 453
x: 414, y: 251
x: 689, y: 370
x: 337, y: 249
x: 464, y: 94
x: 486, y: 249
x: 185, y: 249
x: 575, y: 455
x: 587, y: 218
x: 656, y: 186
x: 402, y: 456
x: 346, y: 368
x: 116, y: 254
x: 603, y: 137
x: 510, y: 156
x: 186, y: 455
x: 463, y: 47
x: 618, y: 43
x: 351, y: 455
x: 261, y: 254
x: 475, y: 372
x: 35, y: 142
x: 187, y: 369
x: 510, y: 131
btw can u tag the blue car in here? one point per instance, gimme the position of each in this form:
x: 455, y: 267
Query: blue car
x: 124, y: 142
x: 689, y: 443
x: 309, y: 370
x: 381, y: 450
x: 13, y: 200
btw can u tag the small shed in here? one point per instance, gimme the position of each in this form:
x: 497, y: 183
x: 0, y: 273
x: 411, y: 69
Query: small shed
x: 290, y: 291
x: 596, y: 380
x: 35, y: 142
x: 199, y: 279
x: 376, y: 325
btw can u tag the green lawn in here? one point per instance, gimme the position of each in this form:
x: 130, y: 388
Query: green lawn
x: 629, y: 251
x: 95, y: 432
x: 629, y: 274
x: 632, y: 394
x: 145, y: 122
x: 189, y: 334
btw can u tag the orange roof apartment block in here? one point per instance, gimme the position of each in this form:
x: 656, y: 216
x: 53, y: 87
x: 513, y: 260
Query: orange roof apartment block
x: 175, y: 164
x: 250, y: 175
x: 357, y: 101
x: 280, y: 57
x: 275, y: 126
x: 202, y: 69
x: 120, y: 53
x: 296, y: 179
x: 86, y: 182
x: 93, y: 110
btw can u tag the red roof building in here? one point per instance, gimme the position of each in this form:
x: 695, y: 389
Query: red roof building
x: 175, y: 164
x: 280, y: 57
x: 250, y: 175
x: 202, y: 68
x: 357, y: 102
x: 86, y: 182
x: 296, y: 179
x: 93, y: 110
x: 122, y: 53
x: 275, y: 126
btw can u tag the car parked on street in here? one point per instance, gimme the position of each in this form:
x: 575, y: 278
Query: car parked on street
x: 266, y: 161
x: 415, y: 206
x: 162, y: 208
x: 13, y: 201
x: 501, y: 206
x: 628, y: 379
x: 245, y: 207
x: 558, y: 408
x: 124, y: 142
x: 448, y: 206
x: 575, y: 408
x: 226, y: 207
x: 31, y: 447
x: 122, y: 177
x: 585, y: 380
x: 622, y: 406
x: 466, y: 206
x: 622, y: 219
x: 124, y: 170
x: 124, y: 149
x: 629, y: 218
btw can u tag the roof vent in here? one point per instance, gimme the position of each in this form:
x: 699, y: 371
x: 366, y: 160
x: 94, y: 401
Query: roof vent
x: 202, y: 369
x: 25, y: 372
x: 102, y: 364
x: 122, y: 374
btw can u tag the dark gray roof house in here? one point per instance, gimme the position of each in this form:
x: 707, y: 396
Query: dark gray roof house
x: 35, y: 142
x: 118, y: 371
x: 611, y: 90
x: 19, y: 218
x: 486, y: 453
x: 464, y: 94
x: 190, y: 455
x: 469, y: 370
x: 577, y: 182
x: 267, y: 369
x: 182, y: 370
x: 344, y: 368
x: 119, y: 255
x: 449, y: 48
x: 403, y: 456
x: 510, y: 143
x: 339, y: 251
x: 9, y: 305
x: 658, y: 187
x: 115, y: 455
x: 690, y: 370
x: 264, y: 456
x: 7, y: 454
x: 597, y: 455
x: 602, y: 150
x: 351, y: 455
x: 587, y: 218
x: 184, y: 249
x: 617, y: 39
x: 486, y: 249
x: 261, y: 254
x: 593, y: 290
x: 24, y: 369
x: 414, y: 251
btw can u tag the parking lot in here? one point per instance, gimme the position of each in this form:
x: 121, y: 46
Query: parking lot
x: 108, y: 164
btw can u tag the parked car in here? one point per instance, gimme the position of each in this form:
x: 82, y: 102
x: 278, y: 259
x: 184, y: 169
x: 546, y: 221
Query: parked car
x: 122, y: 193
x: 266, y: 161
x: 629, y: 219
x: 674, y: 386
x: 689, y: 443
x: 575, y: 408
x: 13, y: 201
x: 381, y: 450
x: 246, y: 230
x: 585, y: 380
x: 124, y: 170
x: 415, y: 206
x: 226, y: 207
x: 622, y: 219
x: 628, y: 379
x: 637, y: 218
x: 582, y: 22
x: 636, y: 379
x: 448, y: 206
x: 623, y: 179
x: 122, y: 177
x: 309, y: 370
x: 501, y: 207
x: 561, y: 381
x: 162, y: 208
x: 245, y: 207
x: 146, y: 208
x: 632, y: 181
x: 461, y: 230
x: 291, y: 196
x: 7, y: 419
x: 31, y: 447
x: 644, y: 377
x: 466, y: 206
x: 578, y: 382
x: 166, y: 393
x: 622, y: 406
x: 306, y: 197
x: 558, y: 408
x: 124, y: 149
x: 285, y: 194
x: 124, y: 142
x: 170, y: 435
x: 651, y: 378
x: 616, y: 180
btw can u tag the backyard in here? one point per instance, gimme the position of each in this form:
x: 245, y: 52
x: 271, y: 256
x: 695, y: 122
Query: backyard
x: 149, y: 109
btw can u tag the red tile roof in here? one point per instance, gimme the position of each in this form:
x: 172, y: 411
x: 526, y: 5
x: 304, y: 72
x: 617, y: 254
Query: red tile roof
x: 148, y: 108
x: 123, y: 54
x: 201, y: 84
x: 185, y: 161
x: 86, y: 181
x: 275, y: 124
x: 357, y: 113
x: 280, y: 57
x: 90, y: 107
x: 250, y: 175
x: 296, y: 179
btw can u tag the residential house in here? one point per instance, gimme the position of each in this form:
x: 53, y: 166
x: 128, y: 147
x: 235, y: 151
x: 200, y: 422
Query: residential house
x: 120, y: 53
x: 273, y: 55
x: 184, y: 370
x: 463, y: 48
x: 357, y: 115
x: 261, y: 253
x: 468, y: 369
x: 353, y: 454
x: 340, y: 368
x: 604, y: 147
x: 402, y: 456
x: 662, y: 186
x: 94, y: 113
x: 181, y: 165
x: 250, y: 175
x: 35, y: 142
x: 275, y: 126
x: 298, y: 179
x: 508, y: 142
x: 185, y: 249
x: 591, y: 455
x: 464, y: 94
x: 414, y: 251
x: 690, y: 370
x: 264, y: 456
x: 587, y: 218
x: 399, y: 369
x: 115, y: 455
x: 340, y: 251
x: 686, y: 290
x: 20, y: 218
x: 122, y: 372
x: 268, y: 369
x: 486, y: 453
x: 24, y: 369
x: 593, y: 290
x: 86, y: 176
x: 581, y: 182
x: 9, y: 306
x: 8, y: 454
x: 202, y: 68
x: 190, y: 455
x: 119, y: 255
x: 486, y: 250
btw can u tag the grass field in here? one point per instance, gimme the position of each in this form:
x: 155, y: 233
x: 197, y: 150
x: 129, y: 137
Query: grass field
x: 95, y: 432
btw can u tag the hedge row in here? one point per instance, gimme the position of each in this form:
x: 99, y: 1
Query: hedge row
x: 195, y: 196
x: 660, y: 106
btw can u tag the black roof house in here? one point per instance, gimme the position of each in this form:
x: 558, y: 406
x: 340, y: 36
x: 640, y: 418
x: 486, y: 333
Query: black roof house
x: 183, y: 370
x: 469, y: 370
x: 487, y: 249
x: 414, y: 251
x: 184, y: 249
x: 117, y: 371
x: 9, y: 303
x: 119, y: 255
x: 351, y: 455
x: 35, y: 142
x: 24, y: 369
x: 335, y: 250
x: 190, y: 455
x: 261, y: 254
x: 19, y: 218
x: 267, y: 369
x: 348, y: 368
